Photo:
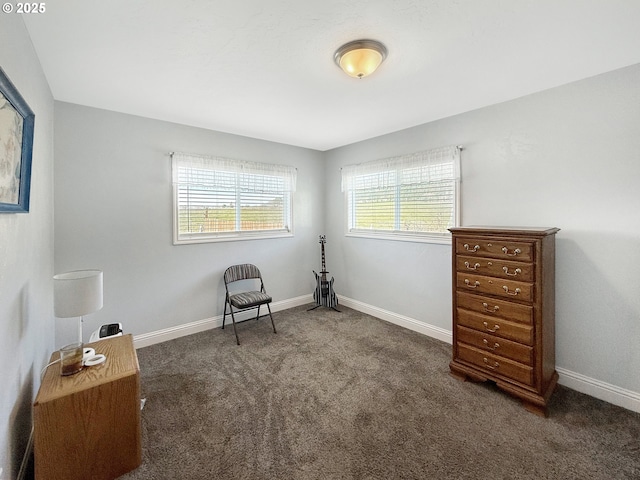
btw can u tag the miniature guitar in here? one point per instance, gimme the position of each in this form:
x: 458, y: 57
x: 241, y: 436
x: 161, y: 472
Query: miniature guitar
x: 324, y: 295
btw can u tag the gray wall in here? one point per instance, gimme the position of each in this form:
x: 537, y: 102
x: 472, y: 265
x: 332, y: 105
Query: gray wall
x: 26, y: 257
x: 568, y: 157
x: 113, y: 211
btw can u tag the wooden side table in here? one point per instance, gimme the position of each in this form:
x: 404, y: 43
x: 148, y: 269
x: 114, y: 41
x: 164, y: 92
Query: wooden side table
x: 87, y: 425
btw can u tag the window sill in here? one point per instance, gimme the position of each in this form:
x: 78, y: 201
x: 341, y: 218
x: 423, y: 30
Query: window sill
x: 230, y: 237
x: 442, y: 239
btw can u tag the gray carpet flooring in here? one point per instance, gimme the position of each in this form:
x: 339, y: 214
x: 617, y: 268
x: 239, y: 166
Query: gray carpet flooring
x: 348, y: 396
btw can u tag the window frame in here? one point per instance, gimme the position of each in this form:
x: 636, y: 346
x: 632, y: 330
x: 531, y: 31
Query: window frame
x: 400, y: 235
x: 237, y: 167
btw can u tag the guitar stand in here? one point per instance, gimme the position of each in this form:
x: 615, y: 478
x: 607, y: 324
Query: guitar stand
x: 332, y: 308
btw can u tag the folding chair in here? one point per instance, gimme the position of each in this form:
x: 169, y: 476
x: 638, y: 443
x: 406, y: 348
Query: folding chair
x: 244, y: 300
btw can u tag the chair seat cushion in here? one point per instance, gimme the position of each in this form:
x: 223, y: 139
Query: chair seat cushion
x: 249, y: 299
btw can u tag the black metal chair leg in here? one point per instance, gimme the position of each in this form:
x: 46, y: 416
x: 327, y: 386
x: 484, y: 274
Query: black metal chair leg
x: 233, y: 319
x: 258, y: 315
x: 224, y: 315
x: 272, y: 324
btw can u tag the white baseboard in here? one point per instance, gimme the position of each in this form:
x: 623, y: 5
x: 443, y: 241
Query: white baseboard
x: 600, y: 390
x: 576, y: 381
x: 159, y: 336
x: 406, y: 322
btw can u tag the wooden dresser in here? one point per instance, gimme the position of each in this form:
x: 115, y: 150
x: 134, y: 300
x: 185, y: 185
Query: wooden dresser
x: 504, y: 309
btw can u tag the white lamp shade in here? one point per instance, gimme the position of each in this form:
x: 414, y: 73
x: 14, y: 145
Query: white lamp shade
x: 77, y: 293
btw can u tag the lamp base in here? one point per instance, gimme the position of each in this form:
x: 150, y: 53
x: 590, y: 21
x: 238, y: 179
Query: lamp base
x: 80, y: 329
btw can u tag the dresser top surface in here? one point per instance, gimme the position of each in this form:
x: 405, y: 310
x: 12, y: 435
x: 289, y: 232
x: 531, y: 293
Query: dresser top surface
x: 498, y: 230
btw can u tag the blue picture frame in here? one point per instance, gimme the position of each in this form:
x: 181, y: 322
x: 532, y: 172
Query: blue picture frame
x: 16, y: 148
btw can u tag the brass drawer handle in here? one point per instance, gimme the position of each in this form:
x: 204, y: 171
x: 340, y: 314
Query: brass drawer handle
x: 485, y: 307
x: 469, y: 267
x: 492, y: 348
x: 492, y: 367
x: 515, y: 252
x: 514, y: 293
x: 476, y: 284
x: 474, y: 249
x: 515, y: 273
x: 492, y: 330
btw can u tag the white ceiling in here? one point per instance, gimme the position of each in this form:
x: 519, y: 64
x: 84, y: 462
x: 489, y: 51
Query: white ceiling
x: 264, y: 68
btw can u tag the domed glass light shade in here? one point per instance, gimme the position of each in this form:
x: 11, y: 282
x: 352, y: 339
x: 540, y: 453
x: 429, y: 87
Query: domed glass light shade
x: 360, y: 57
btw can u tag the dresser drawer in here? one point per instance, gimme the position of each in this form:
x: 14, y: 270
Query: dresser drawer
x: 517, y: 332
x: 495, y: 308
x: 492, y: 247
x: 501, y: 287
x: 521, y: 271
x: 496, y: 365
x: 496, y: 345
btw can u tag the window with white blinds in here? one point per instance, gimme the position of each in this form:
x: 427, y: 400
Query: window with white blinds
x: 218, y: 199
x: 411, y: 197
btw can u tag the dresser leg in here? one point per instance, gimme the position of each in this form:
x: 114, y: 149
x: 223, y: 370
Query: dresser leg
x: 458, y: 376
x: 464, y: 375
x: 537, y: 409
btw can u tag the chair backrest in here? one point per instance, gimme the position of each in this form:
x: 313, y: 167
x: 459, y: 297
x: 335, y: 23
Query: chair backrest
x: 241, y: 272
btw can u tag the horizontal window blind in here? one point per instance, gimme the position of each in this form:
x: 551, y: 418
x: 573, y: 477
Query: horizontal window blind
x: 413, y: 194
x: 220, y: 198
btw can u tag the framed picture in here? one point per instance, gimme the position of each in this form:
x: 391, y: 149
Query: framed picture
x: 16, y: 148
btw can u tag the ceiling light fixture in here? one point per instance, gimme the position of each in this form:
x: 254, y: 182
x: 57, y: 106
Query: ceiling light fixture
x: 360, y: 57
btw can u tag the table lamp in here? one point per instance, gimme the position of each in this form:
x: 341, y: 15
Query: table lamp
x: 76, y: 294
